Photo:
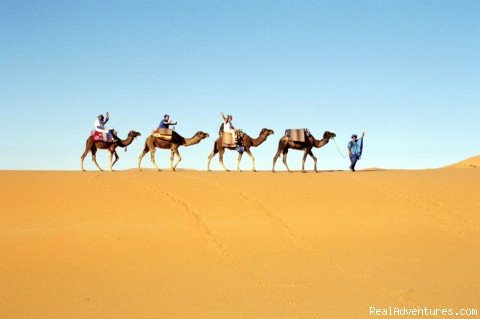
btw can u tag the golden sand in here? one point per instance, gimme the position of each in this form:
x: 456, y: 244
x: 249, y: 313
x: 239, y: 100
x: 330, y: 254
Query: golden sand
x: 237, y: 245
x: 472, y: 162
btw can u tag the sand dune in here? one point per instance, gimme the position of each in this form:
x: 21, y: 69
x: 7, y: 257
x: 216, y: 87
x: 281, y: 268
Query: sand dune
x: 472, y: 162
x: 237, y: 245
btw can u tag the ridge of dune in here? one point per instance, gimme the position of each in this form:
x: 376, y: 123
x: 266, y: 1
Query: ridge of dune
x: 472, y: 162
x: 374, y: 168
x: 193, y: 244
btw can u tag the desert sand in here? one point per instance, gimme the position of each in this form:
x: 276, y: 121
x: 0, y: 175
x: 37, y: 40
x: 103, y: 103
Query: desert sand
x: 192, y: 244
x: 472, y: 162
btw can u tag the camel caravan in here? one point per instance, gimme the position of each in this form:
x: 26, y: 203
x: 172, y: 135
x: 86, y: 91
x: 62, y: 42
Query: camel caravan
x: 229, y: 138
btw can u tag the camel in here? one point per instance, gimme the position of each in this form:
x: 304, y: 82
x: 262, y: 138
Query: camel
x: 286, y: 143
x: 247, y: 143
x: 92, y: 146
x: 152, y: 142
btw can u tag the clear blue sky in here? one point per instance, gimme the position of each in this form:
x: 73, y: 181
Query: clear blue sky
x: 406, y: 72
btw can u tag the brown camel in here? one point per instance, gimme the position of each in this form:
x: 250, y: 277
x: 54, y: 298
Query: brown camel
x: 286, y: 143
x: 110, y: 146
x: 152, y: 142
x: 247, y: 142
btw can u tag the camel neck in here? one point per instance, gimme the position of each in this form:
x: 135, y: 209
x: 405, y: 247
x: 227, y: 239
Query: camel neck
x: 320, y: 143
x: 192, y: 141
x: 126, y: 142
x: 259, y: 140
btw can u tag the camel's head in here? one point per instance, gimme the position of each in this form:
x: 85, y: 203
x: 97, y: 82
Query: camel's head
x: 201, y: 135
x: 266, y: 131
x: 329, y: 135
x: 133, y: 134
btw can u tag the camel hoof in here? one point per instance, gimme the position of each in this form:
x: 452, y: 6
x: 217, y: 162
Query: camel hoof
x: 304, y: 171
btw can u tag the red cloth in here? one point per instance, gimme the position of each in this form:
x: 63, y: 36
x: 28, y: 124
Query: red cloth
x: 98, y: 137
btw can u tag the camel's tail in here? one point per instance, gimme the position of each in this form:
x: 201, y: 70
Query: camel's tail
x: 282, y: 142
x: 215, y: 148
x: 146, y: 149
x: 282, y: 145
x: 87, y: 148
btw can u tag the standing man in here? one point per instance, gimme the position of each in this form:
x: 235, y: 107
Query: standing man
x: 355, y: 147
x: 165, y: 123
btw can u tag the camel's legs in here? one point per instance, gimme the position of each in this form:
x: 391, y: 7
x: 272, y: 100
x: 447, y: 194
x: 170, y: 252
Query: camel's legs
x: 220, y: 158
x: 145, y: 151
x: 94, y: 158
x: 179, y: 158
x: 212, y: 154
x: 252, y: 158
x: 152, y: 158
x: 281, y: 148
x: 303, y: 160
x: 82, y: 158
x: 85, y: 153
x: 238, y: 161
x: 116, y: 158
x: 110, y: 155
x: 275, y: 159
x: 172, y: 156
x: 285, y: 161
x: 314, y: 160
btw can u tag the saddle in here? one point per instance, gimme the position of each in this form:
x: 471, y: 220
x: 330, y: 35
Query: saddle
x: 163, y: 133
x: 101, y: 137
x: 298, y: 135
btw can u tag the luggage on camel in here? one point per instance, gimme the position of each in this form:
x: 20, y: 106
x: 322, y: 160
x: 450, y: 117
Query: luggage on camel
x: 163, y: 133
x: 228, y: 139
x: 297, y: 135
x: 233, y: 140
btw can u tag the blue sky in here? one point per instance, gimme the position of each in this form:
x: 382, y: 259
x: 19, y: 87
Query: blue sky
x: 406, y: 72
